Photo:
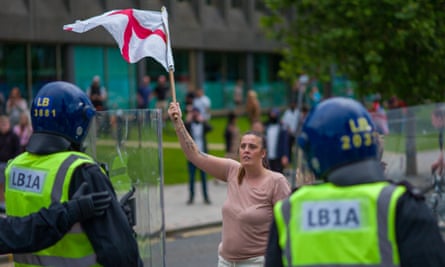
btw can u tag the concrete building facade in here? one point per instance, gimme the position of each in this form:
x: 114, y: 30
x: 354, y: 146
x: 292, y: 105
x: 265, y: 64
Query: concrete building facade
x: 214, y: 43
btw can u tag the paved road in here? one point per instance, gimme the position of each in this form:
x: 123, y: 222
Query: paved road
x: 193, y: 248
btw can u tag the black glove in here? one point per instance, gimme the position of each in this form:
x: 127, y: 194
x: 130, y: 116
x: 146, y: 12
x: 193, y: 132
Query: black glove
x: 84, y: 206
x: 127, y: 203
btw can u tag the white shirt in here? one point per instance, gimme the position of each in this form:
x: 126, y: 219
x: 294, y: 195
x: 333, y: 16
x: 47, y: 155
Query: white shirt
x: 272, y: 135
x: 203, y: 103
x: 290, y: 120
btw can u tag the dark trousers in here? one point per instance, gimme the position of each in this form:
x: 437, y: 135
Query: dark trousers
x: 192, y: 171
x: 291, y: 147
x: 275, y: 165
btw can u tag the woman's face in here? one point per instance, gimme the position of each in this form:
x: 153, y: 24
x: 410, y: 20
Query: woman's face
x: 251, y: 150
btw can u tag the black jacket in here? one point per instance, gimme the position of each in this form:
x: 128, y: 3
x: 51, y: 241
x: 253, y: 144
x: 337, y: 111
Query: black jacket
x: 417, y: 233
x: 36, y: 231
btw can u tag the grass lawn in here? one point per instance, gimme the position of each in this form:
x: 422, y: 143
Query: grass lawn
x: 142, y: 163
x: 396, y: 142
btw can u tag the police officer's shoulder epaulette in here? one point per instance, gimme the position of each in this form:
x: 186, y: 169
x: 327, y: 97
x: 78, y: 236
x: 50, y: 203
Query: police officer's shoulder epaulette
x: 411, y: 189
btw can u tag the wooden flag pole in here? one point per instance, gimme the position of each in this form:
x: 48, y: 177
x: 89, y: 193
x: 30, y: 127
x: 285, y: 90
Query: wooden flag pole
x: 172, y: 84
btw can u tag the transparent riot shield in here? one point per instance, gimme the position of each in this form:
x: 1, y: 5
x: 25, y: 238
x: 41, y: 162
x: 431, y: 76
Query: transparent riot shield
x: 129, y: 145
x: 412, y: 151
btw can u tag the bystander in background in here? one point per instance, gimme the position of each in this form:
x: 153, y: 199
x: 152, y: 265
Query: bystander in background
x: 291, y: 120
x: 161, y: 92
x: 203, y: 103
x: 97, y: 94
x: 378, y: 114
x: 231, y: 137
x: 23, y: 130
x: 143, y: 95
x: 238, y: 97
x: 198, y: 128
x: 15, y: 105
x: 253, y: 108
x: 277, y: 141
x: 9, y: 148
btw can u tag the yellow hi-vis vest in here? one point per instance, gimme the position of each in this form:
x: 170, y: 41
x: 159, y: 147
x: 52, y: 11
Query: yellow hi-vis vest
x: 327, y: 225
x: 35, y: 181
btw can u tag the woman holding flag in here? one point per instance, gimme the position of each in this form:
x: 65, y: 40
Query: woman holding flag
x: 252, y: 190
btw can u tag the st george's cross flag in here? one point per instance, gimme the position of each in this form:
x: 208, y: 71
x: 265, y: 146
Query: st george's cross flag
x: 139, y: 33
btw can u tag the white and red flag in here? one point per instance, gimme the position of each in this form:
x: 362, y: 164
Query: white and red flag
x: 139, y: 33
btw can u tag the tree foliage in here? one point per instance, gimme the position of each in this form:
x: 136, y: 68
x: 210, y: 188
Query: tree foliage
x: 386, y: 46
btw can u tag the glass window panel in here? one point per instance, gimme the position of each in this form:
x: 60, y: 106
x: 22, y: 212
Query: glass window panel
x: 213, y: 66
x: 88, y: 62
x: 235, y: 66
x: 237, y: 3
x: 119, y: 85
x: 43, y: 64
x: 12, y: 68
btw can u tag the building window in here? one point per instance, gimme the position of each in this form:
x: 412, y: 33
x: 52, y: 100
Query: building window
x: 213, y: 66
x: 237, y: 3
x: 266, y: 67
x: 43, y: 66
x: 12, y: 68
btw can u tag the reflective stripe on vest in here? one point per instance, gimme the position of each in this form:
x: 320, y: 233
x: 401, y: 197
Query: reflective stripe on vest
x: 385, y: 205
x: 74, y: 249
x: 42, y: 260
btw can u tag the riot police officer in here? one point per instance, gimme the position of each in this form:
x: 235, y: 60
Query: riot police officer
x: 355, y: 217
x: 52, y: 169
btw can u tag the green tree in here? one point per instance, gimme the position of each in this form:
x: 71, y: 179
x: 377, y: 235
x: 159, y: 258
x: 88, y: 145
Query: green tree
x: 387, y: 46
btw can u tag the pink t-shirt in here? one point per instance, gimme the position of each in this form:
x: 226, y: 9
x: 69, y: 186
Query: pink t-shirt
x: 247, y: 214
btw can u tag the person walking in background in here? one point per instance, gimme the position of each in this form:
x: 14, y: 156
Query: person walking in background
x: 252, y: 190
x: 277, y: 139
x: 291, y: 120
x: 161, y: 92
x: 253, y: 108
x: 198, y: 128
x: 378, y: 114
x: 144, y: 93
x: 9, y: 141
x: 238, y: 97
x: 356, y: 217
x: 15, y: 105
x: 231, y: 137
x: 23, y: 130
x: 314, y: 96
x: 97, y: 94
x: 203, y: 103
x: 55, y: 168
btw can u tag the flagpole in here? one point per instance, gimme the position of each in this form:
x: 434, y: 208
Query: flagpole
x: 172, y: 83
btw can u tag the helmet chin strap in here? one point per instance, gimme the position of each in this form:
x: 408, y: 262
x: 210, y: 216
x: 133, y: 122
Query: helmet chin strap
x: 76, y: 147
